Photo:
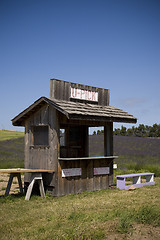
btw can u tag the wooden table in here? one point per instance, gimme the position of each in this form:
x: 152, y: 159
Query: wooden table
x: 36, y: 175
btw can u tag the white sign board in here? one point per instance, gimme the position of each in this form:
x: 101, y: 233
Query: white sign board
x: 71, y: 172
x: 101, y: 170
x: 84, y: 94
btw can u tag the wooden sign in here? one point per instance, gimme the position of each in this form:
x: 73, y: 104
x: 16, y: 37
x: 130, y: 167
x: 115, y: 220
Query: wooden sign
x: 82, y: 94
x: 71, y: 172
x: 101, y: 171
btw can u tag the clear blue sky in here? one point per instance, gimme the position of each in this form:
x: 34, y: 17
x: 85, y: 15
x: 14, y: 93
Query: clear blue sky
x: 111, y: 44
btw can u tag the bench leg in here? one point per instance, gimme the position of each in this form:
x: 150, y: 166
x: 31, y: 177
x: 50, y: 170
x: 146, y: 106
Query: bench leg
x: 29, y: 190
x: 41, y: 187
x: 9, y: 183
x: 12, y: 175
x: 35, y: 177
x: 20, y: 182
x: 137, y: 180
x: 149, y: 178
x: 120, y: 182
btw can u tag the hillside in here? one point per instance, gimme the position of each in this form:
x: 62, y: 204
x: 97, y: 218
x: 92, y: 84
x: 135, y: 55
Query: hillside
x: 8, y: 134
x: 12, y: 153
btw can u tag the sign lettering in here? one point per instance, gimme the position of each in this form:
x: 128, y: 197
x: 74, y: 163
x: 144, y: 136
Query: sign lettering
x: 84, y: 94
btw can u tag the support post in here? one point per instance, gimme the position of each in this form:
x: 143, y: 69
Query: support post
x: 108, y: 139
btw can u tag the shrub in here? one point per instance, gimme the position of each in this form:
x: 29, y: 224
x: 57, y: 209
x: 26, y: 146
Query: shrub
x: 125, y: 223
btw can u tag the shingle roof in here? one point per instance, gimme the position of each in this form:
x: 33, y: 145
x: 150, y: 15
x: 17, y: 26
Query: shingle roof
x: 93, y: 110
x: 77, y: 110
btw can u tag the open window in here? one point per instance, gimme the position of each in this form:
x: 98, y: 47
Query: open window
x: 40, y: 135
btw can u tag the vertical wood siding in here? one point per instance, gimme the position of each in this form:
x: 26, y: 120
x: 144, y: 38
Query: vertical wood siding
x: 46, y: 157
x: 43, y: 157
x: 61, y: 90
x: 87, y: 181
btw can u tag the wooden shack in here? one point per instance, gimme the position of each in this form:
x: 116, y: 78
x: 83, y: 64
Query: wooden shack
x: 56, y: 137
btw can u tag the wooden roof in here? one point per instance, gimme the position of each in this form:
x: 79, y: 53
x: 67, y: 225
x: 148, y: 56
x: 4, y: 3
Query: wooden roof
x: 77, y: 111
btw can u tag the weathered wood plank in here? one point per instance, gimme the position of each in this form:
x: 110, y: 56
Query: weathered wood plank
x: 54, y: 147
x: 96, y: 178
x: 77, y: 180
x: 90, y: 175
x: 60, y: 183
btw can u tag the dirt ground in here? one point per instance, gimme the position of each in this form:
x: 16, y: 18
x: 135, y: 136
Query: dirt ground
x: 4, y: 177
x: 138, y: 232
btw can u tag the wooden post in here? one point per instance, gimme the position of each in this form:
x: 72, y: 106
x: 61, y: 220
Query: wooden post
x: 108, y: 148
x: 108, y: 139
x: 86, y: 141
x: 107, y: 143
x: 54, y: 146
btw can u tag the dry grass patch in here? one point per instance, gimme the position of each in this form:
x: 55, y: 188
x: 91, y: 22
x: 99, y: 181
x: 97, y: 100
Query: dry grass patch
x: 106, y: 214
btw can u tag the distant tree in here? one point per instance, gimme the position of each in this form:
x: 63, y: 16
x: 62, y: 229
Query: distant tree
x: 94, y: 133
x: 129, y: 132
x: 117, y: 131
x: 123, y: 131
x: 140, y: 131
x: 100, y: 132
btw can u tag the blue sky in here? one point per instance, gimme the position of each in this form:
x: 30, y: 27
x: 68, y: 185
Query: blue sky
x: 111, y: 44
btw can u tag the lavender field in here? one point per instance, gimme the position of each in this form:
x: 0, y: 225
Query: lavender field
x: 135, y: 153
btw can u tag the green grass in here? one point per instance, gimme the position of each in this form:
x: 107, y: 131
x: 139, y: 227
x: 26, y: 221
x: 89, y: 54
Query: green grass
x: 12, y: 153
x: 6, y: 134
x: 137, y: 163
x: 90, y: 215
x: 105, y: 214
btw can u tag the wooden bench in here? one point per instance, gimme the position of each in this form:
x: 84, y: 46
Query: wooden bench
x: 121, y: 184
x: 36, y: 175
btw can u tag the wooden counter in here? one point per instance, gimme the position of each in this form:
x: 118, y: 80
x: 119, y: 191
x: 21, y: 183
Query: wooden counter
x: 88, y: 158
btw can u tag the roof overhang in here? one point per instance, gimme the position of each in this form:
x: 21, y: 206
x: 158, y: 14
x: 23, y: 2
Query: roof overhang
x: 76, y: 111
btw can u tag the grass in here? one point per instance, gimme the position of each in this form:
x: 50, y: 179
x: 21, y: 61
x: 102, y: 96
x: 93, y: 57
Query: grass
x: 6, y: 134
x: 12, y: 153
x: 105, y: 214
